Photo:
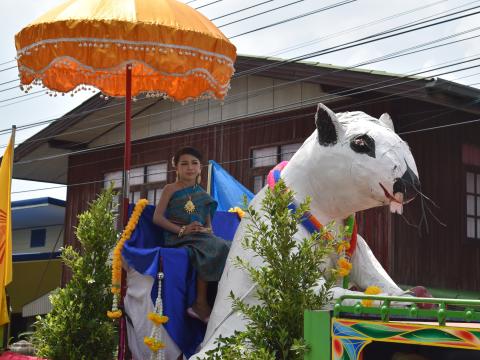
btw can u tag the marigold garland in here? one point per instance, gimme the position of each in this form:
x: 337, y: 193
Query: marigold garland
x: 153, y: 344
x: 114, y: 314
x: 237, y: 210
x: 344, y: 266
x: 371, y: 290
x: 155, y: 340
x: 343, y: 246
x: 117, y: 257
x: 157, y: 319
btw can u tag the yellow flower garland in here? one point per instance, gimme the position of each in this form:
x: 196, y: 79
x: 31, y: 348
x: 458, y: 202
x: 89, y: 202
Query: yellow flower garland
x: 237, y: 210
x: 344, y: 266
x: 343, y: 247
x: 371, y: 290
x: 154, y: 341
x: 117, y: 257
x: 153, y: 344
x: 157, y: 319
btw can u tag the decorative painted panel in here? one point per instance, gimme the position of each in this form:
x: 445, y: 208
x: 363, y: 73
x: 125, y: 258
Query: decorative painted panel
x: 349, y: 337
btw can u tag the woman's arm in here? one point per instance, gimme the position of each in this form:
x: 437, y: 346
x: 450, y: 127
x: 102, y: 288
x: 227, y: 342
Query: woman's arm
x: 208, y: 225
x: 159, y: 214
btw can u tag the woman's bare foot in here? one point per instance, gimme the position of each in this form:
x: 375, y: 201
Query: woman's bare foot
x: 202, y: 310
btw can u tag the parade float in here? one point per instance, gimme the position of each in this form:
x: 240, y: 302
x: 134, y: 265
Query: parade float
x: 352, y: 162
x: 380, y: 171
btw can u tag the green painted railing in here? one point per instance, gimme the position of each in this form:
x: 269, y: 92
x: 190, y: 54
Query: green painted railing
x: 441, y: 312
x: 317, y: 323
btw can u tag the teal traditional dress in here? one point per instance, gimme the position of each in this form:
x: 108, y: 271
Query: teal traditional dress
x: 206, y: 251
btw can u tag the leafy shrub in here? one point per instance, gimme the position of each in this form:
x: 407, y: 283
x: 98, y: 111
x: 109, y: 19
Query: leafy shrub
x: 77, y: 327
x: 284, y: 283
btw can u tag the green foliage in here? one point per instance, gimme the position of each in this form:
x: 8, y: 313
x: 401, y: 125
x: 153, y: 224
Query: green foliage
x: 77, y: 327
x: 284, y: 283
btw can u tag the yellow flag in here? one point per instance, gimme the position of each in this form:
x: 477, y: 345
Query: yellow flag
x: 5, y: 228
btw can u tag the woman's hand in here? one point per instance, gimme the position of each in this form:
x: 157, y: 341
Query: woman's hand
x: 193, y: 227
x: 196, y: 227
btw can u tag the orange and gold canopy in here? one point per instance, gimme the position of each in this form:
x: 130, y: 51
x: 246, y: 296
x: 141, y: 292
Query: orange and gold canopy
x: 173, y: 49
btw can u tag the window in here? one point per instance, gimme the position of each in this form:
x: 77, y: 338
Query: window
x: 473, y: 204
x: 259, y: 182
x: 287, y: 151
x: 37, y: 238
x: 145, y: 182
x: 114, y: 177
x: 264, y: 159
x: 154, y: 195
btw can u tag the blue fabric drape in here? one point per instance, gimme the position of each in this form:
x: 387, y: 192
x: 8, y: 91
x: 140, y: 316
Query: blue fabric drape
x: 226, y: 190
x: 143, y: 252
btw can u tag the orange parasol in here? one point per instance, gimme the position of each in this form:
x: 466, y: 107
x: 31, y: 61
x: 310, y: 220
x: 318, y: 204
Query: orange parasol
x: 124, y: 48
x: 173, y: 49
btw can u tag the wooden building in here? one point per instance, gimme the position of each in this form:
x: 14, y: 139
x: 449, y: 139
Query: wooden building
x: 265, y: 117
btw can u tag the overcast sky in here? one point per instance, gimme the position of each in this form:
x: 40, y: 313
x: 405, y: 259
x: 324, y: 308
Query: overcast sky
x: 298, y: 37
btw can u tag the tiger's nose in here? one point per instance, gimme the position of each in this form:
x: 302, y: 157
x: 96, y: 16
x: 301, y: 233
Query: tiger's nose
x: 408, y: 185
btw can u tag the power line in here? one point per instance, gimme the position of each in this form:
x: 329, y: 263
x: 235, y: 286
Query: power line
x: 348, y: 30
x: 440, y: 127
x: 260, y: 13
x: 7, y: 62
x: 386, y: 57
x: 383, y: 58
x: 341, y: 3
x: 241, y: 10
x: 351, y: 44
x: 362, y: 26
x: 19, y: 101
x: 305, y: 104
x: 252, y: 71
x: 268, y: 88
x: 8, y: 68
x: 260, y: 125
x: 21, y: 96
x: 115, y: 105
x: 289, y: 19
x: 210, y: 3
x: 247, y: 159
x: 8, y: 82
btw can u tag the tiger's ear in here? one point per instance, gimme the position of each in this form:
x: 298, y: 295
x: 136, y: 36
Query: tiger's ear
x: 328, y: 126
x: 387, y: 121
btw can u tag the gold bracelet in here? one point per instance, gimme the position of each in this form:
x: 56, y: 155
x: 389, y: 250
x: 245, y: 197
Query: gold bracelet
x: 182, y: 230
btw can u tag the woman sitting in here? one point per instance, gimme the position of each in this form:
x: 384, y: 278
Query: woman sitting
x: 185, y: 212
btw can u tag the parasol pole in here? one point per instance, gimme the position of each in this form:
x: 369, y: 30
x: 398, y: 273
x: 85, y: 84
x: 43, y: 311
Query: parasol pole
x: 126, y: 191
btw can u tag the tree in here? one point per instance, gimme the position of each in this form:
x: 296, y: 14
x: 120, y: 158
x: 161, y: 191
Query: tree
x: 77, y: 327
x: 284, y: 283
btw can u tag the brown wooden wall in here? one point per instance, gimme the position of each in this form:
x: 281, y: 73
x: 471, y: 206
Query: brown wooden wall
x: 441, y: 258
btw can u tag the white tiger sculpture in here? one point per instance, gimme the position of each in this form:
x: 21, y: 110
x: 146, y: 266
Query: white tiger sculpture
x: 352, y: 162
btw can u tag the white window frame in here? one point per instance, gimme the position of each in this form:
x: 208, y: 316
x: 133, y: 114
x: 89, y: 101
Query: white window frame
x: 143, y: 180
x: 472, y: 204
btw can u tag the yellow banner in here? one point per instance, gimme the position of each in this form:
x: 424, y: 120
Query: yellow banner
x: 5, y: 229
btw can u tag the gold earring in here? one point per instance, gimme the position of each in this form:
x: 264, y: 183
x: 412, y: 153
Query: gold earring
x: 177, y: 177
x: 198, y: 179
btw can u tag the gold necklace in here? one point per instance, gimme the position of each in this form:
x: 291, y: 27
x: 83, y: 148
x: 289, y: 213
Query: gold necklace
x: 189, y: 205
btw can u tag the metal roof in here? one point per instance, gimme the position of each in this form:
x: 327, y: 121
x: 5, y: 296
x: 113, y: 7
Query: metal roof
x: 39, y: 306
x: 45, y: 211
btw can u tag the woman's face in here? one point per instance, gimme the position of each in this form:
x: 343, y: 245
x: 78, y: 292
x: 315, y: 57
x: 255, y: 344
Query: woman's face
x: 188, y: 167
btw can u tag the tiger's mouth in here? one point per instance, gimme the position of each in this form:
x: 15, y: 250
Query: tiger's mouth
x: 396, y: 201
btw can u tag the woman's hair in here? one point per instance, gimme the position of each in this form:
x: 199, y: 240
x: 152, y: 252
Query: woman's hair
x: 187, y: 150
